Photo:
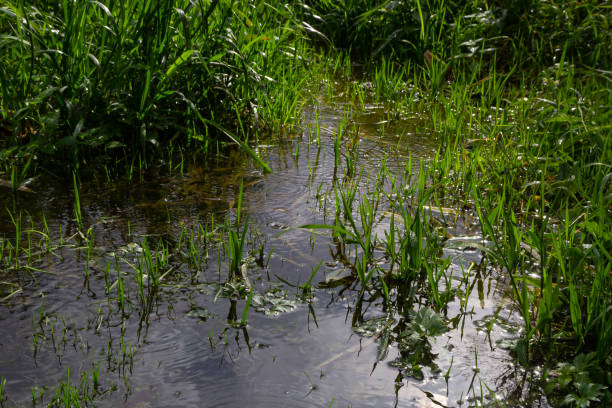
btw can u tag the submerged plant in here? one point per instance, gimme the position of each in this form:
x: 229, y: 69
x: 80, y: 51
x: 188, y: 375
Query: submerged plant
x: 414, y: 342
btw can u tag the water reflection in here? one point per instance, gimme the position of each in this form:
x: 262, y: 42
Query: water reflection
x: 153, y: 351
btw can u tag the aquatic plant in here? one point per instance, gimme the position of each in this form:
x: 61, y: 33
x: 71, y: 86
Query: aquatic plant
x: 519, y: 108
x: 236, y: 240
x: 2, y: 385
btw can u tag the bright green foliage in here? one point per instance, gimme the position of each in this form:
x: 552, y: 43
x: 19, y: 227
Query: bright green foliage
x: 519, y: 95
x: 88, y: 77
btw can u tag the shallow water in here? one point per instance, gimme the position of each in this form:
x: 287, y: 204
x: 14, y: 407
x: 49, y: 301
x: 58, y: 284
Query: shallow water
x: 178, y: 348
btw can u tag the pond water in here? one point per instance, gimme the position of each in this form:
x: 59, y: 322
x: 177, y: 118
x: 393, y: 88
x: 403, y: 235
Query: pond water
x: 183, y: 345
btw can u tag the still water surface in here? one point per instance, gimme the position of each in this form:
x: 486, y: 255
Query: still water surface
x: 181, y: 351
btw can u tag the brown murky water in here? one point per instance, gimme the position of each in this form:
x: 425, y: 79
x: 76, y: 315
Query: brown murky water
x: 180, y: 350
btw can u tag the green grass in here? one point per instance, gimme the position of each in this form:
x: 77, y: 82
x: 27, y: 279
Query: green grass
x: 100, y: 78
x: 521, y: 109
x: 517, y: 92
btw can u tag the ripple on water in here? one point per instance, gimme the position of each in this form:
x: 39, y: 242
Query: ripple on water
x: 288, y: 360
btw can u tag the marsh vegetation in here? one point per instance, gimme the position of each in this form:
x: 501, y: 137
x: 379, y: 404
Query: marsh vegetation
x: 310, y: 203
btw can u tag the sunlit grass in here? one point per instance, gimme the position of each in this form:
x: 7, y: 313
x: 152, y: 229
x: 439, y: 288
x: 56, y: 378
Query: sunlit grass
x: 520, y: 108
x: 89, y: 78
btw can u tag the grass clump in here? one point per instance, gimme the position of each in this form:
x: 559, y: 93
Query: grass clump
x: 527, y: 33
x: 83, y: 79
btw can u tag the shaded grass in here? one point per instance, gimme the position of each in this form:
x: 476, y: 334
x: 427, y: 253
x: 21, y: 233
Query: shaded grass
x: 527, y: 33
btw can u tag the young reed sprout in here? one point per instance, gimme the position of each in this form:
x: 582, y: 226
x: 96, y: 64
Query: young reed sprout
x: 2, y: 386
x: 77, y: 203
x: 236, y: 239
x: 247, y: 305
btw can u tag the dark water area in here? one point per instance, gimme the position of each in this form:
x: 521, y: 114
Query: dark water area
x: 181, y: 347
